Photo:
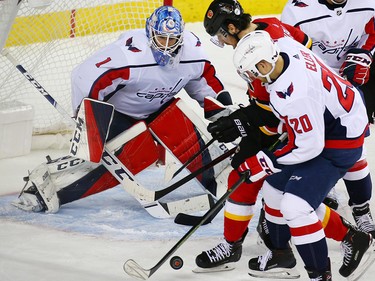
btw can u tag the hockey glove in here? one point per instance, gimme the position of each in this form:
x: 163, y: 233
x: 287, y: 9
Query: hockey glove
x: 356, y: 67
x: 260, y: 165
x: 229, y: 128
x: 248, y: 146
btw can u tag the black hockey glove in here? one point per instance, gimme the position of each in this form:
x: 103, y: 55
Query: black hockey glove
x: 229, y: 128
x: 248, y: 147
x: 356, y: 67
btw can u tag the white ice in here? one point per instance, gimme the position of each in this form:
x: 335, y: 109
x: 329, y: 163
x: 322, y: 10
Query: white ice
x: 90, y: 239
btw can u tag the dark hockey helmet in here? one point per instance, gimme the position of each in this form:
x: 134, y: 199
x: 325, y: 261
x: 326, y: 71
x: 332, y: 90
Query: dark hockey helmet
x: 219, y: 13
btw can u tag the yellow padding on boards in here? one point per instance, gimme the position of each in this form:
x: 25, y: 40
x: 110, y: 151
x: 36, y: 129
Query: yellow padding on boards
x: 102, y: 19
x: 80, y: 22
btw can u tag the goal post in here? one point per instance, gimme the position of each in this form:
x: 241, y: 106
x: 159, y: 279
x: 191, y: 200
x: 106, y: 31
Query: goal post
x: 49, y: 38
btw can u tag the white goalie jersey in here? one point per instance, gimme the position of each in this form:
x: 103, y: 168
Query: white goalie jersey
x: 318, y: 107
x: 126, y: 75
x: 334, y: 29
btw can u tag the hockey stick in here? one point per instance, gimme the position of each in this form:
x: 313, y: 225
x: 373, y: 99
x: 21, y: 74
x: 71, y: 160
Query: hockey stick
x: 161, y: 193
x: 191, y: 159
x: 146, y: 197
x: 186, y: 219
x: 133, y: 269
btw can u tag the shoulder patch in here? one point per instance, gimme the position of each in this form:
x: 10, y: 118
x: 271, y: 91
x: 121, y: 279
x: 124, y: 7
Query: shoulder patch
x: 286, y: 93
x: 129, y: 44
x: 299, y: 3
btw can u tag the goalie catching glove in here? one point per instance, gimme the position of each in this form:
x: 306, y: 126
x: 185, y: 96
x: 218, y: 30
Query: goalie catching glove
x: 260, y: 165
x: 356, y: 67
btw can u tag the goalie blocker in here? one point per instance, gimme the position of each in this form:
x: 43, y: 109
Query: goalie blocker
x: 72, y: 179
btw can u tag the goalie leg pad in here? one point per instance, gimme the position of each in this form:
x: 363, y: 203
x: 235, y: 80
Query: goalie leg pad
x: 177, y: 133
x: 93, y: 121
x: 137, y: 154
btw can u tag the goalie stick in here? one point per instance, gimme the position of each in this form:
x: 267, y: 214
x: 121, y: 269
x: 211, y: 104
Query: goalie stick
x: 133, y: 269
x: 147, y: 198
x: 186, y: 219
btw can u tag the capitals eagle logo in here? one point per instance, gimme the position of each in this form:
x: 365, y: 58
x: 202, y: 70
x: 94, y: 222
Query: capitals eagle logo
x: 288, y: 92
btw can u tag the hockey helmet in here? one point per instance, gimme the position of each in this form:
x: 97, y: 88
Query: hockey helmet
x: 251, y: 49
x: 219, y: 13
x: 164, y: 29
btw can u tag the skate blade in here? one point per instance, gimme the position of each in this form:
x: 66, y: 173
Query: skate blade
x: 276, y: 273
x: 224, y: 267
x: 367, y: 260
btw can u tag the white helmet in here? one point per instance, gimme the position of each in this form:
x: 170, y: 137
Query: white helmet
x: 251, y: 49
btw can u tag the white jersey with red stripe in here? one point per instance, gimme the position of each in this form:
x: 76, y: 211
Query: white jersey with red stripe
x: 334, y: 29
x: 319, y: 108
x: 126, y: 75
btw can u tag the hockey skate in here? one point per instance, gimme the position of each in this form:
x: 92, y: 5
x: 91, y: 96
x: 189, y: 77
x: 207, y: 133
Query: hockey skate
x: 359, y: 254
x: 363, y: 218
x: 41, y: 195
x: 320, y: 276
x: 275, y: 264
x: 220, y: 258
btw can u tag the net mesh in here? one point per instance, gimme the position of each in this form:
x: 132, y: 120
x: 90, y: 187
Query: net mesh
x: 49, y: 38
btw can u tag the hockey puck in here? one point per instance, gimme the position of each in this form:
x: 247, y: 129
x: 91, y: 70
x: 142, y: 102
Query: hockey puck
x: 176, y: 262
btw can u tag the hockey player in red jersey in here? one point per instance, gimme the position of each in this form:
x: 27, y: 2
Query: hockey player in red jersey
x: 227, y: 23
x: 139, y: 74
x: 348, y: 51
x: 318, y: 109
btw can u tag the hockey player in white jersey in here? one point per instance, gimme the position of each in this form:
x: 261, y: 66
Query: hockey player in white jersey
x: 140, y: 75
x: 326, y: 121
x: 343, y: 34
x: 227, y: 20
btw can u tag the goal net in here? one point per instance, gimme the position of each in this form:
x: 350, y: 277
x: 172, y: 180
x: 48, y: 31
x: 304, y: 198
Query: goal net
x: 49, y: 38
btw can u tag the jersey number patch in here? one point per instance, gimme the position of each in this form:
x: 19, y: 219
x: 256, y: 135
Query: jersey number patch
x: 346, y: 97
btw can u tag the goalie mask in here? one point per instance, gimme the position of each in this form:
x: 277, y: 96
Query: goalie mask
x: 217, y: 17
x: 251, y: 49
x: 164, y: 29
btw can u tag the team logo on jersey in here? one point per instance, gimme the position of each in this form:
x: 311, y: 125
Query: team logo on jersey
x: 298, y: 3
x: 158, y: 94
x: 288, y: 92
x: 210, y: 14
x: 129, y: 44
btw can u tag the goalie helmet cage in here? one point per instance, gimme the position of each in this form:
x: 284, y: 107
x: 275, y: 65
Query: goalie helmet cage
x: 50, y: 37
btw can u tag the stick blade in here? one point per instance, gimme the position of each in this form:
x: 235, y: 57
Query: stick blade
x: 135, y: 270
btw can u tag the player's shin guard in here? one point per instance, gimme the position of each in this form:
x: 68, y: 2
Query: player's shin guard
x: 359, y: 186
x: 335, y: 227
x: 307, y: 231
x: 239, y: 208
